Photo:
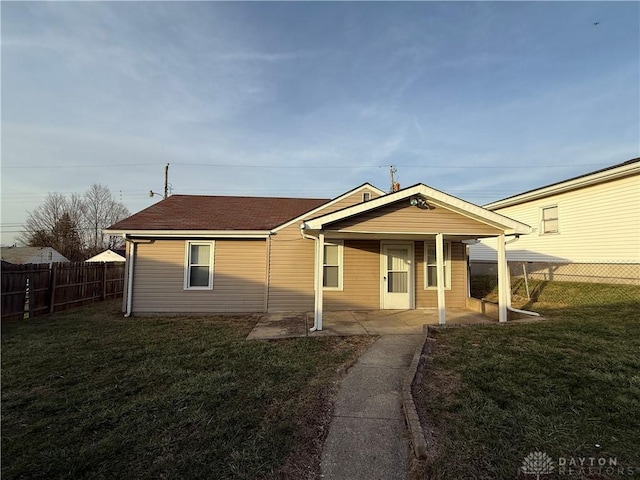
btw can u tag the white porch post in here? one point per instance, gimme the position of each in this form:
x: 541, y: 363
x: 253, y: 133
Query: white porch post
x: 440, y: 277
x: 504, y: 290
x: 319, y: 280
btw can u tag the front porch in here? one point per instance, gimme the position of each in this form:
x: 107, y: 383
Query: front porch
x: 364, y: 322
x: 404, y: 250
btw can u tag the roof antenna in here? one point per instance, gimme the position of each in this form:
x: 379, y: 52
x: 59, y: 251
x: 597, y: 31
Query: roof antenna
x: 395, y: 186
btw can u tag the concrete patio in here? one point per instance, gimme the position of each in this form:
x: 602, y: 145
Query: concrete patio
x: 366, y: 322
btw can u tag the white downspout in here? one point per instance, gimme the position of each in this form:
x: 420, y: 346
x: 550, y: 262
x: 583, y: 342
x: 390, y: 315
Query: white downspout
x: 502, y: 280
x: 315, y: 279
x: 303, y: 226
x: 132, y: 256
x: 508, y: 275
x: 440, y: 278
x: 317, y: 323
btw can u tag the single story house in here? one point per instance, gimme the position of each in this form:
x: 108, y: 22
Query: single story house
x: 363, y: 250
x: 24, y: 255
x: 109, y: 256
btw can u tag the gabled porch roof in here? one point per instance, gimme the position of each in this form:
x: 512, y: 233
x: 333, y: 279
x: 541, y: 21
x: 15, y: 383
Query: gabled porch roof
x: 433, y: 197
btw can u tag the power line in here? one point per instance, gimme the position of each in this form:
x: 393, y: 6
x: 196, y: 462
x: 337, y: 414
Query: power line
x: 307, y: 167
x: 108, y: 165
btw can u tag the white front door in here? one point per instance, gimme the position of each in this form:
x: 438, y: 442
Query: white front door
x: 397, y: 278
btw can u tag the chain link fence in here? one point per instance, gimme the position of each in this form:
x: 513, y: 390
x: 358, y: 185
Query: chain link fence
x: 560, y: 284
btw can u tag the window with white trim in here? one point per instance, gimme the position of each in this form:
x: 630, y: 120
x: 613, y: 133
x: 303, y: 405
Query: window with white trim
x: 366, y: 196
x: 332, y: 276
x: 430, y: 265
x: 198, y: 271
x: 550, y: 220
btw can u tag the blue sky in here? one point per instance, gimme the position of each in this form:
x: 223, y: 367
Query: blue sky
x: 482, y: 100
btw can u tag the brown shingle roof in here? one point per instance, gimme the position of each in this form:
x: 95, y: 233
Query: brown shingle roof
x: 201, y: 212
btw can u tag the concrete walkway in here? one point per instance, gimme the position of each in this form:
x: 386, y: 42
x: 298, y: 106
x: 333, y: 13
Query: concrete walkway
x: 367, y: 322
x: 367, y: 436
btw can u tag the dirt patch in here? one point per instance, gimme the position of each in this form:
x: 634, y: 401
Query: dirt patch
x: 303, y: 462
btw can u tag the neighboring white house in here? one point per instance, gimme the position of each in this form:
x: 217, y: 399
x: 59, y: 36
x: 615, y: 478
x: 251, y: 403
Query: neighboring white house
x: 22, y: 255
x: 108, y: 256
x: 593, y: 218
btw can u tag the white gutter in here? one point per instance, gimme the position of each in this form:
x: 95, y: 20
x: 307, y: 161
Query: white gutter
x: 190, y: 233
x: 568, y: 185
x: 512, y: 240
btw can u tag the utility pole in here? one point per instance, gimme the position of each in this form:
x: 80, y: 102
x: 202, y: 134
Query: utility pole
x: 166, y: 184
x: 166, y: 181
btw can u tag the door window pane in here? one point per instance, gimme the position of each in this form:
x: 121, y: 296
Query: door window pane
x: 397, y: 282
x: 397, y: 259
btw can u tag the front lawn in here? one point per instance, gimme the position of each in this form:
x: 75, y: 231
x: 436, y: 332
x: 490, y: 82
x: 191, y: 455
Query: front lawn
x: 89, y: 394
x: 568, y: 387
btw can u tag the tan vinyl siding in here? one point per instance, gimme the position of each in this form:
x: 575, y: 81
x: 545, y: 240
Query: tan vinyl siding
x: 599, y: 223
x: 403, y: 218
x: 361, y: 278
x: 454, y: 298
x: 292, y: 262
x: 353, y: 199
x: 238, y: 279
x: 291, y: 271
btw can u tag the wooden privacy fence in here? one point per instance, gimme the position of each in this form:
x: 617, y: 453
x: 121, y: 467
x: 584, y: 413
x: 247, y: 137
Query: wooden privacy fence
x: 36, y: 289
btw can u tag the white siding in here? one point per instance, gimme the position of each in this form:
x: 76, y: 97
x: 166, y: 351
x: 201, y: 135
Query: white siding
x: 599, y: 223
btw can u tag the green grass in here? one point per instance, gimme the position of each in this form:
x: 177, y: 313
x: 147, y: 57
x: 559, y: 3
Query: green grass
x: 88, y: 394
x: 550, y: 296
x: 491, y: 395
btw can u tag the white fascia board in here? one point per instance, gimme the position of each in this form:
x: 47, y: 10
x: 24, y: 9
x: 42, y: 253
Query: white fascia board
x: 585, y: 181
x: 399, y: 234
x: 508, y: 225
x: 331, y: 202
x: 190, y: 233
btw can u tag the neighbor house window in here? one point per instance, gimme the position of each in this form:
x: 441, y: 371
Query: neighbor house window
x: 198, y: 274
x: 550, y: 220
x: 366, y: 196
x: 332, y: 277
x: 430, y: 265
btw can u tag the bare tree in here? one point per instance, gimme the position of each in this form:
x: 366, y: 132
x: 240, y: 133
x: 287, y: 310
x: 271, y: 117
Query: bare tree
x: 75, y: 223
x: 100, y: 211
x: 42, y: 221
